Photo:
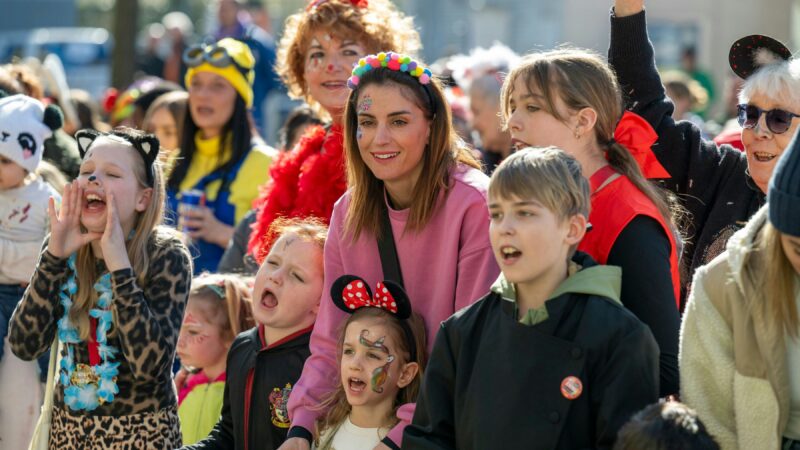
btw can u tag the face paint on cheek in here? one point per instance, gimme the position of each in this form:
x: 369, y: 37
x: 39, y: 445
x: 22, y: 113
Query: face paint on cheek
x: 359, y: 133
x: 380, y: 375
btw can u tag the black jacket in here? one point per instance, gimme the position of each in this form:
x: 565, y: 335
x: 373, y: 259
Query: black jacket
x: 493, y: 382
x: 259, y: 378
x: 712, y: 182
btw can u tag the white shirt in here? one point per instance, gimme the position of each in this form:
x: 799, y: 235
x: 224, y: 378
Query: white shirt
x: 351, y: 437
x: 23, y: 225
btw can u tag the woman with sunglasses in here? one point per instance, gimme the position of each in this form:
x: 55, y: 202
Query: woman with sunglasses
x: 720, y: 187
x: 316, y: 54
x: 220, y: 153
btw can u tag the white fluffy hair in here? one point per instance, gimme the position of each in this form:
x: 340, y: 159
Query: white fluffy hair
x: 778, y: 81
x: 482, y: 62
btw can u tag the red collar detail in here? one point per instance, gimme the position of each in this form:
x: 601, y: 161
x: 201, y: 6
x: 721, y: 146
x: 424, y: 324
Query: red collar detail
x: 599, y: 177
x: 296, y: 334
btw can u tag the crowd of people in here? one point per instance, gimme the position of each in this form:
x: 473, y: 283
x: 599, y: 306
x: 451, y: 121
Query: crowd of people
x: 494, y: 251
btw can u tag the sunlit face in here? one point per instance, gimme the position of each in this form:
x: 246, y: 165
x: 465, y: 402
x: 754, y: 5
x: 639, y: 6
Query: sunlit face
x: 12, y: 175
x: 531, y: 126
x: 163, y: 125
x: 486, y: 121
x: 288, y: 286
x: 392, y: 134
x: 791, y: 248
x: 201, y: 343
x: 762, y: 146
x: 328, y: 64
x: 529, y: 240
x: 108, y: 168
x: 370, y: 366
x: 212, y: 100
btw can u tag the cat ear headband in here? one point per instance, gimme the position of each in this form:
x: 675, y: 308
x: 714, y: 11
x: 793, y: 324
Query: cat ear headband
x: 750, y: 53
x: 146, y: 145
x: 351, y: 293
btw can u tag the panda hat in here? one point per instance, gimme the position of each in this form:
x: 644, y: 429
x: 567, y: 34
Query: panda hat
x: 25, y: 123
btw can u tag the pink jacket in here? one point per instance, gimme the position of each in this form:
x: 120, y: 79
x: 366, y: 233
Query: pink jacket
x: 446, y: 267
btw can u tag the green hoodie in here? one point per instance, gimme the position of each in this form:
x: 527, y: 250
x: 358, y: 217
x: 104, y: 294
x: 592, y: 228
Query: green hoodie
x: 603, y: 281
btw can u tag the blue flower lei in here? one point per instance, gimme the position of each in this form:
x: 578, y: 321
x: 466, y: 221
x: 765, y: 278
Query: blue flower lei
x: 87, y: 387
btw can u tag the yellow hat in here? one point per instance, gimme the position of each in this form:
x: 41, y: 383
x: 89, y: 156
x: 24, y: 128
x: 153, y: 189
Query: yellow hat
x: 228, y: 58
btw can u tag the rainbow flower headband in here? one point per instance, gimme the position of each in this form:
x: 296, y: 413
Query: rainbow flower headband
x: 391, y: 61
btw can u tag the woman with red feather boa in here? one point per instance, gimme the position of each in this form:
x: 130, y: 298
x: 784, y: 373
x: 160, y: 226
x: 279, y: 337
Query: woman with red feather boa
x: 319, y: 47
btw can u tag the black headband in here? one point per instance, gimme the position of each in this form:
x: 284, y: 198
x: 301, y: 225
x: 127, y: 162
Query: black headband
x: 146, y: 145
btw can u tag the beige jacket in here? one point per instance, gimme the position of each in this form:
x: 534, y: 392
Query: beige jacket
x: 732, y: 359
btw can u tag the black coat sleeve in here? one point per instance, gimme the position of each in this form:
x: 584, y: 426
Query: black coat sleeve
x: 433, y: 426
x: 222, y: 435
x: 642, y: 250
x: 629, y: 380
x: 698, y: 168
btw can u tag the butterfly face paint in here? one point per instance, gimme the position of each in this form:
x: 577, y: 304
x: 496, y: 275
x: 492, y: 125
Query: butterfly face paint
x: 380, y: 374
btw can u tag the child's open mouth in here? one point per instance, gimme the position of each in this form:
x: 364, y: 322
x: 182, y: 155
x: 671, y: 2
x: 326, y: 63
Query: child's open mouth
x: 356, y: 385
x: 94, y: 203
x: 268, y: 299
x: 509, y: 254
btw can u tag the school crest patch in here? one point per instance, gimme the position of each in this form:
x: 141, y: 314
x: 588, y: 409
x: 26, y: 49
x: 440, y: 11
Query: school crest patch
x: 278, y: 399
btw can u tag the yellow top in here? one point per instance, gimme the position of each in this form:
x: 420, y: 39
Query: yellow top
x: 244, y: 189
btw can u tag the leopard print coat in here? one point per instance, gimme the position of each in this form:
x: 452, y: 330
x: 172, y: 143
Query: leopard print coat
x: 146, y: 326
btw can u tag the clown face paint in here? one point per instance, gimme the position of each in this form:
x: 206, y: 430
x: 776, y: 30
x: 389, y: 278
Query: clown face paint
x: 328, y: 63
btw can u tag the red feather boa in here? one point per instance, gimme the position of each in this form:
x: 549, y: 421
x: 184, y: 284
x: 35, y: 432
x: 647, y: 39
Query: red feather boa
x: 305, y: 182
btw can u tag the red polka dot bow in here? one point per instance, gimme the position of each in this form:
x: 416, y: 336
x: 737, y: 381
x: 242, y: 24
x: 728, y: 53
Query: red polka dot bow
x: 351, y: 293
x: 356, y: 296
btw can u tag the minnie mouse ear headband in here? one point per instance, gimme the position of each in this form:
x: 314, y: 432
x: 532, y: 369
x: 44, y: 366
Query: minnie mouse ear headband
x: 750, y: 53
x: 351, y: 293
x: 145, y: 144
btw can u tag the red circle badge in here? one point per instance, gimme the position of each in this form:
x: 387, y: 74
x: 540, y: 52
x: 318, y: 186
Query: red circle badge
x: 571, y: 388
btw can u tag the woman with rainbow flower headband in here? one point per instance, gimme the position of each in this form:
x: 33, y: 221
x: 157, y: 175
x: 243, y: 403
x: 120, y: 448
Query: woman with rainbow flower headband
x: 412, y: 186
x: 111, y: 286
x: 316, y: 54
x: 220, y: 151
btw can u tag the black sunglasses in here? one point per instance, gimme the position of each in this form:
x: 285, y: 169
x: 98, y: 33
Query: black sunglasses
x: 214, y: 54
x: 778, y: 120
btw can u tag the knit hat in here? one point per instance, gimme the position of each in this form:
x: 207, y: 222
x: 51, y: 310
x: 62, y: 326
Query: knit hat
x: 784, y: 191
x: 239, y: 74
x: 25, y: 123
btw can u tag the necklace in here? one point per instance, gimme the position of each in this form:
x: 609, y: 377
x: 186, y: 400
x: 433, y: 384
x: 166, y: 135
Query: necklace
x: 87, y: 386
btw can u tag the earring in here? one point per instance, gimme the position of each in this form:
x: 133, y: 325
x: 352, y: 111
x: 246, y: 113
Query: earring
x: 577, y: 134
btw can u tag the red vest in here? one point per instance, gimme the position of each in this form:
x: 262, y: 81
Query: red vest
x: 614, y: 205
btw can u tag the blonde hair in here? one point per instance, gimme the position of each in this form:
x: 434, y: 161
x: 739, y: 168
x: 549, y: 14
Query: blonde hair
x: 581, y: 79
x: 444, y: 151
x: 377, y: 26
x: 550, y: 175
x: 148, y: 232
x: 336, y: 403
x: 772, y: 278
x: 229, y: 299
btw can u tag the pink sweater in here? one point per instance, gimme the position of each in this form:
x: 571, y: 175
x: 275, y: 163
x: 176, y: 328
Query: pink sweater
x: 446, y: 267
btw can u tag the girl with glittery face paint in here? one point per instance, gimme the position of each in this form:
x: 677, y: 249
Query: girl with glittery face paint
x: 381, y: 359
x: 219, y: 308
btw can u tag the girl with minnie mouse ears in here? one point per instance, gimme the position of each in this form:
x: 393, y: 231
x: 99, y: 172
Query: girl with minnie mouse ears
x: 381, y: 359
